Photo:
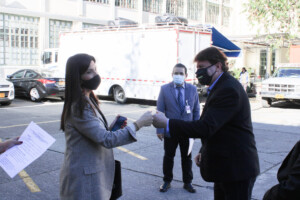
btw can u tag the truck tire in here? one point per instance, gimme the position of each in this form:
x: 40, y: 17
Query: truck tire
x: 34, y: 94
x: 119, y: 95
x: 266, y: 103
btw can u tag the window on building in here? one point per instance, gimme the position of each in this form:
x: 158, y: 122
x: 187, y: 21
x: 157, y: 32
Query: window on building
x: 263, y: 63
x: 126, y: 3
x: 99, y: 1
x: 273, y: 61
x: 19, y: 40
x: 153, y: 6
x: 226, y: 16
x: 55, y: 27
x: 195, y: 9
x: 175, y: 7
x: 212, y: 13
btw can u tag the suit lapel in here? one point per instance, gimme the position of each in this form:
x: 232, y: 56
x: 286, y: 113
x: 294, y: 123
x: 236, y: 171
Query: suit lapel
x: 172, y: 90
x: 222, y: 78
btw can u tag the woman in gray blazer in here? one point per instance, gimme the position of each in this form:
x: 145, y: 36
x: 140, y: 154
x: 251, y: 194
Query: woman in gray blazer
x: 88, y: 168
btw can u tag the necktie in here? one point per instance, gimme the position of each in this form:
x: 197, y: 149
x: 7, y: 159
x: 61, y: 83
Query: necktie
x: 180, y: 100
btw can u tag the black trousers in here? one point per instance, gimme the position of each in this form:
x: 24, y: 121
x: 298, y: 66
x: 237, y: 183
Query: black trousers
x: 239, y: 190
x: 170, y: 146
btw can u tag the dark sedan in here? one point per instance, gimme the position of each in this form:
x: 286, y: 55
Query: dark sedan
x: 31, y: 84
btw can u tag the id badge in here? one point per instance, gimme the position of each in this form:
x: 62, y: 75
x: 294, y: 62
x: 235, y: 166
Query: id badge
x: 187, y: 107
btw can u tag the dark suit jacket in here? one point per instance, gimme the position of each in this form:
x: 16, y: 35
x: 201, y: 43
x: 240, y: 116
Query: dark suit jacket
x: 288, y: 177
x: 228, y: 151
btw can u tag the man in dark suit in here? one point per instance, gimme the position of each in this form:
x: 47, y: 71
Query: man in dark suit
x: 228, y: 154
x: 288, y: 178
x: 178, y: 100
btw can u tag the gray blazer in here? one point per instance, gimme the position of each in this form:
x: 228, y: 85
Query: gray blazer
x: 88, y: 168
x: 168, y: 104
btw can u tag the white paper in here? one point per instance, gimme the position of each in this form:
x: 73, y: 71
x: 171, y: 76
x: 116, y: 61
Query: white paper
x: 35, y: 142
x: 191, y: 143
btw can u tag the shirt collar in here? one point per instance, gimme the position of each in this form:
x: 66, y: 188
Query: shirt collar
x: 183, y: 85
x: 214, y: 83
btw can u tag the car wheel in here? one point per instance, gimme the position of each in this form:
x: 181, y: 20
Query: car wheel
x: 119, y: 95
x: 34, y: 95
x: 266, y: 103
x: 6, y: 103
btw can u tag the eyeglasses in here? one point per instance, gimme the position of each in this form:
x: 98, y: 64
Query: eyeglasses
x: 200, y: 67
x: 178, y: 73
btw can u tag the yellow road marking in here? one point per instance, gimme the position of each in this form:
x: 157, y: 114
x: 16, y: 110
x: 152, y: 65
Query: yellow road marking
x: 29, y: 182
x: 132, y: 153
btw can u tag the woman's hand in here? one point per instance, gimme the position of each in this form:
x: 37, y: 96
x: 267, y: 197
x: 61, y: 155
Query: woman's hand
x: 115, y: 120
x: 9, y: 143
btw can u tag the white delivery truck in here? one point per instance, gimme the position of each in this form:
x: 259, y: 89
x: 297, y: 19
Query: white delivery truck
x: 135, y: 62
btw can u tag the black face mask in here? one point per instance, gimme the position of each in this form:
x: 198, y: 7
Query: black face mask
x: 203, y: 77
x: 91, y: 84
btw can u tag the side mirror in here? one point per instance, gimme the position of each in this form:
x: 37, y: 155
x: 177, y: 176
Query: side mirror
x: 9, y: 76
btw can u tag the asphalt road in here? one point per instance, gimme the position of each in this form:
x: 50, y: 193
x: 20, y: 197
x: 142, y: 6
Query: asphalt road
x: 276, y: 130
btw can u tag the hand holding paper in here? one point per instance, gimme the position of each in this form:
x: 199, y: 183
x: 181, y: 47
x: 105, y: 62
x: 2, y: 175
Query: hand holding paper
x: 35, y: 142
x: 9, y: 143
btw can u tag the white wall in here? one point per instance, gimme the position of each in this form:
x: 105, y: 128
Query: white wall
x: 282, y: 55
x: 97, y: 11
x: 69, y: 8
x: 252, y: 59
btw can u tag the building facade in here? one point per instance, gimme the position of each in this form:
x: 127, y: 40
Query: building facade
x: 27, y: 27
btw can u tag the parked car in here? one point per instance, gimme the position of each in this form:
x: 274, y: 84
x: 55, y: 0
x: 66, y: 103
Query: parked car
x: 284, y: 85
x: 31, y: 84
x: 7, y: 92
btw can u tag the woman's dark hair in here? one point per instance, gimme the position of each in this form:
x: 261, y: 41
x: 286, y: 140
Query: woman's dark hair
x: 212, y: 55
x: 76, y: 66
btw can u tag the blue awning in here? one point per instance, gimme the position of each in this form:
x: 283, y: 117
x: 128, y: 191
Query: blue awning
x: 225, y: 45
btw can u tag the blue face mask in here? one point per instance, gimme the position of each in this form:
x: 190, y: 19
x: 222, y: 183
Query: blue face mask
x: 178, y: 79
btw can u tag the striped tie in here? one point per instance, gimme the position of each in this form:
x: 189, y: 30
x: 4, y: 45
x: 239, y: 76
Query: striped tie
x: 180, y: 100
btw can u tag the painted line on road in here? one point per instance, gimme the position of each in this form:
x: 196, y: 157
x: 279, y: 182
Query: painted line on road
x: 45, y: 104
x: 132, y: 153
x: 45, y: 122
x: 28, y: 181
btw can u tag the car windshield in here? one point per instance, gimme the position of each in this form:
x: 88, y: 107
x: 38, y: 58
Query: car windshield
x: 287, y: 72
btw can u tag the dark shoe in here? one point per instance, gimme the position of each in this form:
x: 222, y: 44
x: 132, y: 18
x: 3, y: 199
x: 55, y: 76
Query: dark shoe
x: 189, y: 187
x: 164, y: 187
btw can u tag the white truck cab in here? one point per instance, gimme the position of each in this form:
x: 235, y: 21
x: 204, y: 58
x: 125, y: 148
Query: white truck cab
x: 50, y: 61
x: 284, y: 85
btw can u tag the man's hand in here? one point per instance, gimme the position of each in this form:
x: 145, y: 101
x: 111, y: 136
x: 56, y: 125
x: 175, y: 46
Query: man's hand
x: 160, y: 136
x: 198, y: 159
x: 160, y: 120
